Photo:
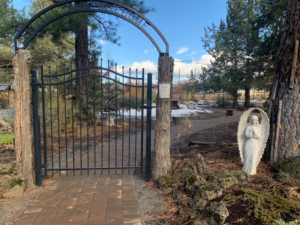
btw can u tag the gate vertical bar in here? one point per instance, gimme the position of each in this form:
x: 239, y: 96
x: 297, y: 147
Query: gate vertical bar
x: 108, y: 83
x: 58, y: 130
x: 36, y: 127
x: 66, y: 137
x: 142, y: 119
x: 44, y: 120
x: 51, y: 120
x: 148, y: 134
x: 116, y: 110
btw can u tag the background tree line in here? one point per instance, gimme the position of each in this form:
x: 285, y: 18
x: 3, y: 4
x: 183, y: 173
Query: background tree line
x: 244, y: 48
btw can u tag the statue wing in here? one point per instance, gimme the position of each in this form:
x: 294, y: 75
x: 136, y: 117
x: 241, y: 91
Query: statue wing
x: 265, y: 130
x: 241, y: 132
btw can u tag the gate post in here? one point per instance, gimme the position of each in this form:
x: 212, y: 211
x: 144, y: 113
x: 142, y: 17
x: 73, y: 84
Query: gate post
x: 148, y: 133
x: 36, y: 127
x: 162, y: 141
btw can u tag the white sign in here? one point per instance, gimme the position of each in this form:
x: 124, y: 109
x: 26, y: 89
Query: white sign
x: 164, y: 90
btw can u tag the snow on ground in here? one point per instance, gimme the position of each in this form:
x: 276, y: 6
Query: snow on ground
x: 184, y: 111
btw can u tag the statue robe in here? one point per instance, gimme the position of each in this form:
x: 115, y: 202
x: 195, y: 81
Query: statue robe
x: 253, y: 134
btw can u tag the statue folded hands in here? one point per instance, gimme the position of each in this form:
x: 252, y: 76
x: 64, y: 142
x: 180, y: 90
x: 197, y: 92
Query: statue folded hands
x: 252, y: 140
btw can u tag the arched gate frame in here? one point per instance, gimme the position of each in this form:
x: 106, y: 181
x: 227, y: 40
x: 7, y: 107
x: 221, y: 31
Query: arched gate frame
x: 124, y: 12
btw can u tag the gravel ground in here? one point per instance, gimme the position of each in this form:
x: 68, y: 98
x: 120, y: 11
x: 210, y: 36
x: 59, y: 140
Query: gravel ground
x: 12, y: 209
x: 150, y: 202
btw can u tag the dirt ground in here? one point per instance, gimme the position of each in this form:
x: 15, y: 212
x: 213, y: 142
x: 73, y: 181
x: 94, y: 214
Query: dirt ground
x: 225, y: 156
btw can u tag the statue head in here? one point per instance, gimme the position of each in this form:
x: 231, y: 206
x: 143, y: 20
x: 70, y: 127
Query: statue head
x: 254, y: 120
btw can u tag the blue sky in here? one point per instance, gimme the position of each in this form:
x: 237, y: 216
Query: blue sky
x: 181, y: 22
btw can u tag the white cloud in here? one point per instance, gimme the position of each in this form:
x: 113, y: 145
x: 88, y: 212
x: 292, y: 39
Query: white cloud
x: 185, y: 67
x: 102, y: 41
x: 149, y: 67
x: 192, y: 53
x: 182, y: 50
x: 146, y: 51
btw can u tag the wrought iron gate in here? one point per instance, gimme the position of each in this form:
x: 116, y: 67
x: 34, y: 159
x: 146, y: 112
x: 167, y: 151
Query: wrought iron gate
x: 90, y: 121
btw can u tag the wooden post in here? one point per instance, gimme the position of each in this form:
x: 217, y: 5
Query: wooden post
x: 23, y: 127
x: 277, y: 130
x: 294, y: 64
x: 162, y: 141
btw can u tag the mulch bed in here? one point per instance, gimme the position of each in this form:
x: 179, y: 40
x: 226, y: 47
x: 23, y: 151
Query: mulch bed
x: 222, y: 156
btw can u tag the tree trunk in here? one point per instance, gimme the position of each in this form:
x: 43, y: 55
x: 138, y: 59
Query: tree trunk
x: 289, y: 132
x: 23, y: 124
x: 247, y: 97
x: 234, y: 102
x: 81, y: 54
x: 162, y: 141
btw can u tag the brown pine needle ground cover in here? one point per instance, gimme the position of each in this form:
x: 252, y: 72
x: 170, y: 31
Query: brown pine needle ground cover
x: 262, y: 200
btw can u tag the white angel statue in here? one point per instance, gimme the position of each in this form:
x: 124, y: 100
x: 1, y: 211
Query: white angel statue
x: 252, y: 140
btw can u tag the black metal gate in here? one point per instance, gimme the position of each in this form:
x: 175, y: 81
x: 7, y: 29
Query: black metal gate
x: 91, y: 120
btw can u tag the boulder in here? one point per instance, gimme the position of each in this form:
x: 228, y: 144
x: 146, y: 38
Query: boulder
x: 106, y: 121
x: 200, y: 164
x: 187, y: 213
x: 289, y: 166
x: 183, y: 173
x: 189, y: 166
x: 167, y: 183
x: 208, y: 191
x: 197, y: 204
x: 216, y: 213
x: 183, y: 203
x: 193, y: 182
x: 199, y: 221
x: 223, y: 178
x: 239, y: 175
x: 11, y: 181
x: 177, y: 195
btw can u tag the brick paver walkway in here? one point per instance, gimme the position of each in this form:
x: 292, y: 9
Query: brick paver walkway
x: 80, y: 200
x: 101, y: 199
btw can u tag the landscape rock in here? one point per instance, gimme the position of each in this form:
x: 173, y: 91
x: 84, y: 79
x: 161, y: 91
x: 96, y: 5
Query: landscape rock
x: 223, y: 178
x: 197, y: 204
x: 208, y: 191
x: 216, y: 213
x: 239, y: 175
x: 183, y: 203
x: 189, y: 166
x: 106, y: 121
x: 175, y: 164
x: 193, y: 182
x: 11, y: 181
x: 187, y: 213
x: 177, y: 195
x: 289, y: 166
x: 183, y: 173
x: 167, y: 183
x: 199, y: 221
x: 282, y: 177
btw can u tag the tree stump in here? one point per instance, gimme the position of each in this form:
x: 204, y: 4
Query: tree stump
x: 229, y: 112
x: 177, y: 121
x: 23, y: 123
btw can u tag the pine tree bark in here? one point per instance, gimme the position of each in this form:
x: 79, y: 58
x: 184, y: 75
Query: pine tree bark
x: 81, y: 55
x: 23, y: 123
x: 247, y: 97
x: 289, y: 132
x: 162, y: 141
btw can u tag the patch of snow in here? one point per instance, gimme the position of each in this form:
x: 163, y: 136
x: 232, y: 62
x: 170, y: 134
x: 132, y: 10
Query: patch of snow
x: 184, y: 111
